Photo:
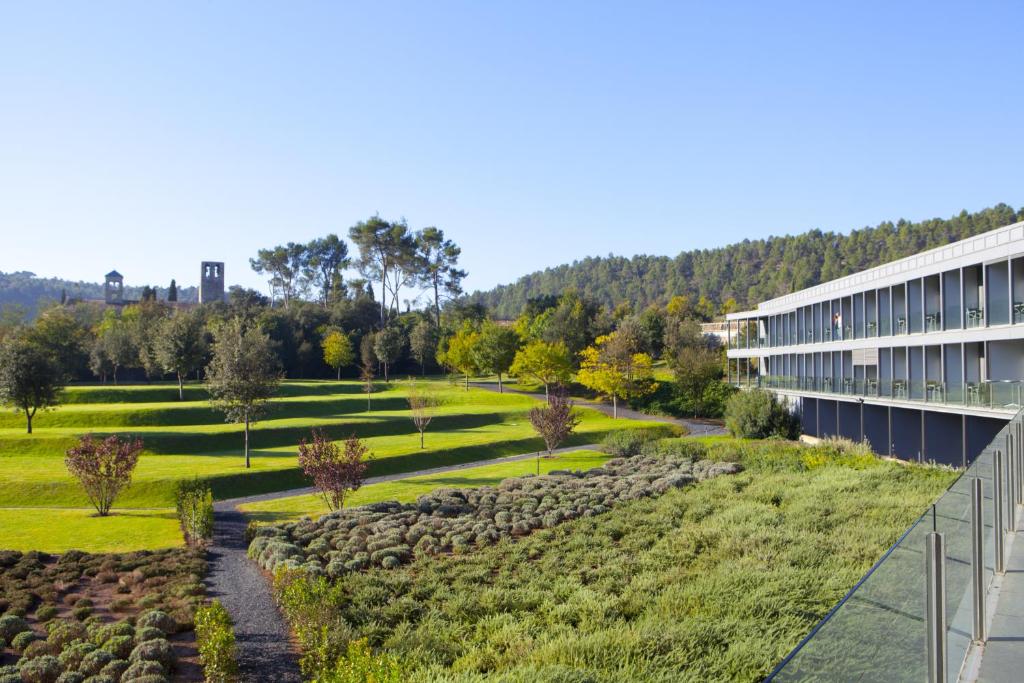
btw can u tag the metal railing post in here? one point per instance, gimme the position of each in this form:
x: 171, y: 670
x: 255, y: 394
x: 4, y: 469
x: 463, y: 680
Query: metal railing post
x: 997, y: 508
x: 1011, y: 482
x: 977, y: 561
x: 935, y: 568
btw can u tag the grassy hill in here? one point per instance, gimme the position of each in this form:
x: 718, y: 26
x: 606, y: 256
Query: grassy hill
x: 189, y: 438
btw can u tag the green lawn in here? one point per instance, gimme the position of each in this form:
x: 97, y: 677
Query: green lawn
x: 55, y: 530
x: 408, y: 489
x: 189, y: 438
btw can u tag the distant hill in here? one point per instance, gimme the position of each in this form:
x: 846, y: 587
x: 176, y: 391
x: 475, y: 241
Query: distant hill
x: 750, y: 271
x: 27, y: 290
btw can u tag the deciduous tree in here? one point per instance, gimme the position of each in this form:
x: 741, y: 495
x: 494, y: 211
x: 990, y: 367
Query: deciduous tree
x: 613, y: 368
x: 458, y: 352
x: 496, y: 349
x: 180, y: 346
x: 423, y: 342
x: 243, y: 375
x: 338, y: 351
x: 103, y: 467
x: 388, y: 344
x: 554, y: 421
x: 547, y: 362
x: 30, y: 377
x: 423, y: 403
x: 334, y: 471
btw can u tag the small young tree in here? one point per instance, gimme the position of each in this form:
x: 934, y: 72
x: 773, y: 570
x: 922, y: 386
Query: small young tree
x: 388, y: 345
x: 554, y: 421
x: 611, y: 368
x: 338, y: 351
x: 423, y: 404
x: 366, y: 375
x: 243, y: 374
x: 546, y: 362
x: 180, y: 347
x: 193, y: 501
x: 423, y: 343
x: 30, y: 378
x: 334, y: 472
x: 103, y: 467
x: 496, y: 349
x: 458, y: 352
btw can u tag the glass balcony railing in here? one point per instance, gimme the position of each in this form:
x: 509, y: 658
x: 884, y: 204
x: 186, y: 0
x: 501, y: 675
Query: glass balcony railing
x: 998, y: 395
x: 883, y: 630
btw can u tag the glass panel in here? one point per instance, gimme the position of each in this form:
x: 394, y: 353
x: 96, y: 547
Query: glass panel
x: 997, y: 293
x: 877, y: 632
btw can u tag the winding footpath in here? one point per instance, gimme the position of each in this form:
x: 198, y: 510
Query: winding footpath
x: 265, y: 650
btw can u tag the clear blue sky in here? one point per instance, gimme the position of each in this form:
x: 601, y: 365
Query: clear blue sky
x: 147, y: 136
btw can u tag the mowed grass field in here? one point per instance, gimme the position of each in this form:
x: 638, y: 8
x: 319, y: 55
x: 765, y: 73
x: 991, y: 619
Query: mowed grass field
x: 43, y: 508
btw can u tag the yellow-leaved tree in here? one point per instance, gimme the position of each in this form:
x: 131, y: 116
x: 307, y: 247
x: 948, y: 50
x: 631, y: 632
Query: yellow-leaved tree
x: 613, y: 368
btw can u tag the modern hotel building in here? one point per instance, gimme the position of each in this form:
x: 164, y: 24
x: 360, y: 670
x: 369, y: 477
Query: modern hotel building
x: 922, y: 357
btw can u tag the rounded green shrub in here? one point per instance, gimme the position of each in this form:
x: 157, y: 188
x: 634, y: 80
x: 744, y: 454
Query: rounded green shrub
x: 72, y: 656
x: 141, y: 668
x: 45, y: 669
x: 159, y: 651
x: 23, y: 640
x: 119, y: 646
x: 115, y: 669
x: 759, y: 414
x: 157, y: 619
x: 71, y: 677
x: 94, y: 662
x: 11, y: 625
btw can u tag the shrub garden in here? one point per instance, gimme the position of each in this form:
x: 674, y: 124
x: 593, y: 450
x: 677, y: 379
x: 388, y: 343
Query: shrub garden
x: 79, y: 617
x: 388, y: 534
x: 683, y: 576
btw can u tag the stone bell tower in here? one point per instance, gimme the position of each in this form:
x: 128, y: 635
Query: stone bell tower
x: 211, y: 282
x: 113, y: 288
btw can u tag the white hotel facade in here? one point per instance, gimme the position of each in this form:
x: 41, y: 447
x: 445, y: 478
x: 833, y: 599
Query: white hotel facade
x: 922, y: 357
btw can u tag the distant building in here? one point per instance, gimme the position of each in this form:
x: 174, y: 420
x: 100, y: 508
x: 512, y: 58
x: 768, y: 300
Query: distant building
x: 211, y: 282
x: 113, y: 289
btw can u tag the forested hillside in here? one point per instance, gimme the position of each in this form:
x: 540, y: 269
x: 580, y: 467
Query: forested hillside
x: 750, y: 271
x: 24, y: 289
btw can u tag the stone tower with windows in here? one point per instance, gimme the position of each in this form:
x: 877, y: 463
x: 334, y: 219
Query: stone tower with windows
x: 113, y: 288
x: 211, y: 282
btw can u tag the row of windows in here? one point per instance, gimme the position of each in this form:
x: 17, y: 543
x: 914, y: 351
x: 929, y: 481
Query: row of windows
x: 974, y: 296
x: 976, y: 373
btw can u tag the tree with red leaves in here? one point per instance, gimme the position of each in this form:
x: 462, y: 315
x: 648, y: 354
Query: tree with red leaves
x: 104, y: 467
x: 333, y: 471
x: 554, y: 421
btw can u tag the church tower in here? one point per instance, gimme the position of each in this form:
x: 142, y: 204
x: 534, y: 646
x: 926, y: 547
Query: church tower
x: 211, y: 282
x: 113, y: 288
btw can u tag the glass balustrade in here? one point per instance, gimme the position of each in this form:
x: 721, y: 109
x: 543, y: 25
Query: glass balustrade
x: 999, y: 395
x: 878, y: 631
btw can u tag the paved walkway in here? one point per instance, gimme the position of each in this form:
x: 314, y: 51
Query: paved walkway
x: 696, y: 427
x: 1002, y: 659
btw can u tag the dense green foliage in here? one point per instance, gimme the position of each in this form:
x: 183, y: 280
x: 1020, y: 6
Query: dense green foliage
x: 759, y: 414
x: 215, y: 640
x: 716, y: 581
x: 749, y: 272
x: 193, y: 503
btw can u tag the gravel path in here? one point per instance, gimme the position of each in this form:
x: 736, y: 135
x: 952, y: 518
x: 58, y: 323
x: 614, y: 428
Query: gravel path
x: 696, y: 427
x: 264, y: 648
